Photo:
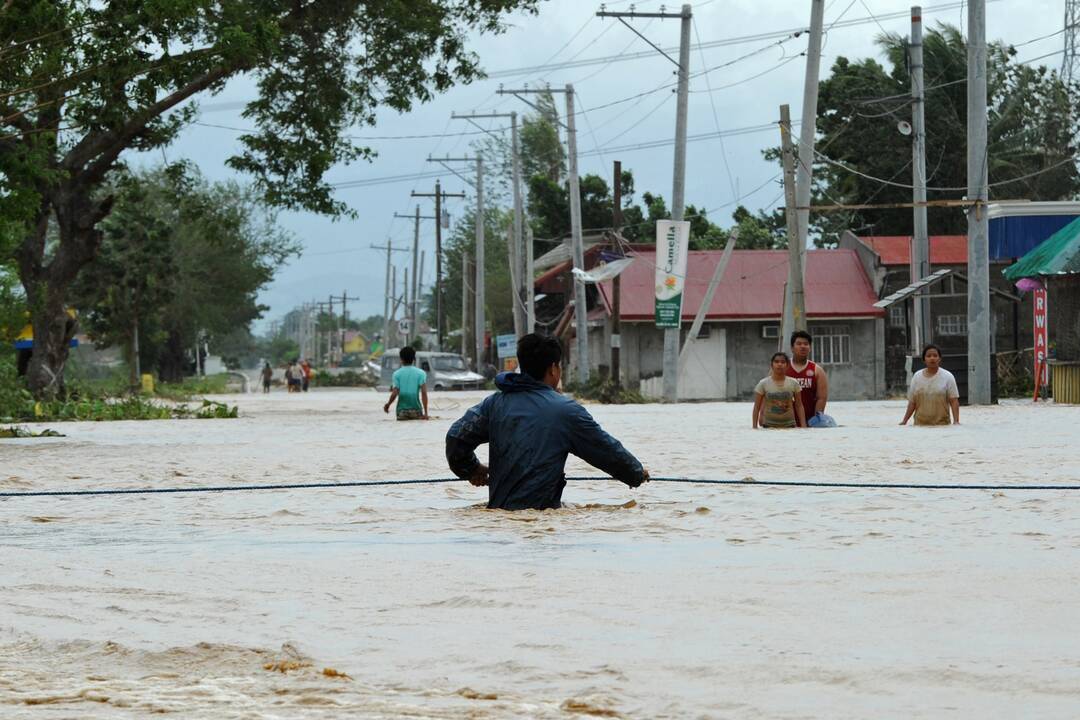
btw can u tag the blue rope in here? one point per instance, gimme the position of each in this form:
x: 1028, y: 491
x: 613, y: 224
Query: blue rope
x: 373, y: 483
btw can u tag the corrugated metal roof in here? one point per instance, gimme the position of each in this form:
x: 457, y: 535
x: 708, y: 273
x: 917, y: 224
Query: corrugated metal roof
x: 753, y: 285
x: 1059, y: 254
x: 896, y: 249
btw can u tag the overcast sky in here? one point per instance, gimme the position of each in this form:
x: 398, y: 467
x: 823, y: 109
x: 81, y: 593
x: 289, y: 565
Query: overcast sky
x: 337, y: 255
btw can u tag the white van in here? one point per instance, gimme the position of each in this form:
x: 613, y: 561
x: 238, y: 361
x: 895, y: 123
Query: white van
x: 445, y: 371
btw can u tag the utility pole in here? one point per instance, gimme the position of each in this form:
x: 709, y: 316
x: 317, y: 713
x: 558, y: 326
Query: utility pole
x: 411, y: 300
x: 517, y: 250
x: 516, y: 303
x: 439, y: 195
x: 794, y: 311
x: 388, y: 290
x: 479, y: 289
x: 344, y: 320
x: 580, y: 302
x: 581, y: 306
x: 616, y: 285
x: 419, y: 289
x: 465, y: 291
x: 405, y: 302
x: 1070, y: 63
x: 920, y: 249
x: 978, y: 223
x: 330, y: 332
x: 678, y: 193
x: 808, y: 133
x: 530, y: 289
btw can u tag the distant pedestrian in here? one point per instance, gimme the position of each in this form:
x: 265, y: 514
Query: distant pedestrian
x: 408, y: 386
x: 294, y: 376
x: 267, y: 376
x: 932, y: 393
x: 776, y: 398
x: 305, y: 369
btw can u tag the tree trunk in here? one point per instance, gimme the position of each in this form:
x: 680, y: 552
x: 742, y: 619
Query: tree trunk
x: 172, y: 361
x: 53, y: 330
x: 47, y: 280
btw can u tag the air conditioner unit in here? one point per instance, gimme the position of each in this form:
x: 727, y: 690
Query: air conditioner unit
x: 770, y: 332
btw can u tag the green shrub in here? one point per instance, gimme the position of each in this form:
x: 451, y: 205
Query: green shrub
x: 603, y: 390
x: 349, y: 378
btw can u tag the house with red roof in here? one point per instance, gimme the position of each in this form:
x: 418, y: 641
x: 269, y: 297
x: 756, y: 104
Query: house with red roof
x: 742, y: 324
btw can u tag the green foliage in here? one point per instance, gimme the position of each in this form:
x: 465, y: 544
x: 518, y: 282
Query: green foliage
x: 278, y: 350
x: 349, y: 378
x: 15, y: 399
x: 127, y: 408
x: 462, y: 240
x: 102, y: 400
x: 181, y: 259
x: 1033, y: 125
x: 603, y: 390
x: 193, y: 387
x: 84, y: 81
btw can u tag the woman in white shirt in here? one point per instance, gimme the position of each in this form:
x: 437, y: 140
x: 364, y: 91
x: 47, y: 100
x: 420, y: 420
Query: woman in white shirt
x: 932, y: 393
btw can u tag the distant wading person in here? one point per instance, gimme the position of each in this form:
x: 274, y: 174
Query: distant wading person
x: 811, y: 378
x: 932, y: 393
x: 531, y: 428
x: 409, y: 387
x: 776, y: 398
x: 267, y: 376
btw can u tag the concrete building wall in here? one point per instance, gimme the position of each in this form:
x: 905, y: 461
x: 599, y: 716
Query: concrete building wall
x: 748, y: 353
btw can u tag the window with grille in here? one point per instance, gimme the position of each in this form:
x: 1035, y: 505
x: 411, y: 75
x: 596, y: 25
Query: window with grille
x: 832, y: 345
x: 952, y: 325
x: 898, y: 315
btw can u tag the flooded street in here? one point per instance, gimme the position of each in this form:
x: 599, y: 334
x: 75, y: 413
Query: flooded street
x: 673, y: 600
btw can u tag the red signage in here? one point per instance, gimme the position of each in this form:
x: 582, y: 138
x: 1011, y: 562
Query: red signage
x: 1042, y: 371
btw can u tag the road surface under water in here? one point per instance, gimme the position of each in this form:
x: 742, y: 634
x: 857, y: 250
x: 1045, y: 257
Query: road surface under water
x: 667, y: 601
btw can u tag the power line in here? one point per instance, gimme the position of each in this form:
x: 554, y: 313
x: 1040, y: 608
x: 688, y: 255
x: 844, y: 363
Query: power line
x: 738, y: 40
x: 370, y: 137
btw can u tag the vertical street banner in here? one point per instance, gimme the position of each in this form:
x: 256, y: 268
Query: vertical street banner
x: 1042, y: 370
x: 672, y: 243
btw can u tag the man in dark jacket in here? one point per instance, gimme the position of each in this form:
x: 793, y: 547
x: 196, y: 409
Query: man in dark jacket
x: 531, y: 428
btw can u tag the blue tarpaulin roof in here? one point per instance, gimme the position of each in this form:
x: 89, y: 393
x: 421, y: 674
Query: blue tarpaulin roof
x: 1059, y: 254
x: 1016, y: 236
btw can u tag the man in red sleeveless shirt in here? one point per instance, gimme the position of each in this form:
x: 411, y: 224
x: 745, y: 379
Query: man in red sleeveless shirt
x: 810, y: 376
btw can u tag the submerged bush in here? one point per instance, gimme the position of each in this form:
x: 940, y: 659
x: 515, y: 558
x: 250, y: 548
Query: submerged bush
x: 603, y: 390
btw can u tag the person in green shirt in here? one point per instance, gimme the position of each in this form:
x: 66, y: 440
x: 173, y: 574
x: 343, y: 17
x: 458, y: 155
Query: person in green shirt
x: 408, y: 387
x: 776, y: 398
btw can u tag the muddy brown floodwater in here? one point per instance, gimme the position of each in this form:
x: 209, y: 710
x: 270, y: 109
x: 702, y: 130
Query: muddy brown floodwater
x: 669, y: 601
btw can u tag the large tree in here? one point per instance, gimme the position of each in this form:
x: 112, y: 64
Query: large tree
x: 1033, y: 124
x: 82, y: 81
x: 181, y: 260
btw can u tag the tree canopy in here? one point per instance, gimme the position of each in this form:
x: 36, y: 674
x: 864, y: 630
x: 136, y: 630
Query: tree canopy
x: 1033, y: 123
x: 83, y: 81
x: 181, y: 259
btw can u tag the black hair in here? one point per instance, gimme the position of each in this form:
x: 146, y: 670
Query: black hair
x: 928, y: 348
x: 779, y: 354
x: 536, y: 353
x: 407, y: 355
x: 801, y: 334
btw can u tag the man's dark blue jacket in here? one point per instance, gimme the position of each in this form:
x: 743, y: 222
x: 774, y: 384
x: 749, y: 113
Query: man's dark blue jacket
x: 531, y: 428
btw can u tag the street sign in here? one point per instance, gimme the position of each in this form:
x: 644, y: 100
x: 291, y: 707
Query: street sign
x: 506, y: 346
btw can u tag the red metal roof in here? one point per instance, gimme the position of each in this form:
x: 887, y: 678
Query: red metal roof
x: 753, y: 285
x: 896, y: 249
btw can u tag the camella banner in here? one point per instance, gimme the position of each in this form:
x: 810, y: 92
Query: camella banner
x: 1042, y: 370
x: 672, y: 243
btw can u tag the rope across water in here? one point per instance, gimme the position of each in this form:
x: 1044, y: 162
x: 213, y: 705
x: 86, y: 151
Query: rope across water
x: 378, y: 483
